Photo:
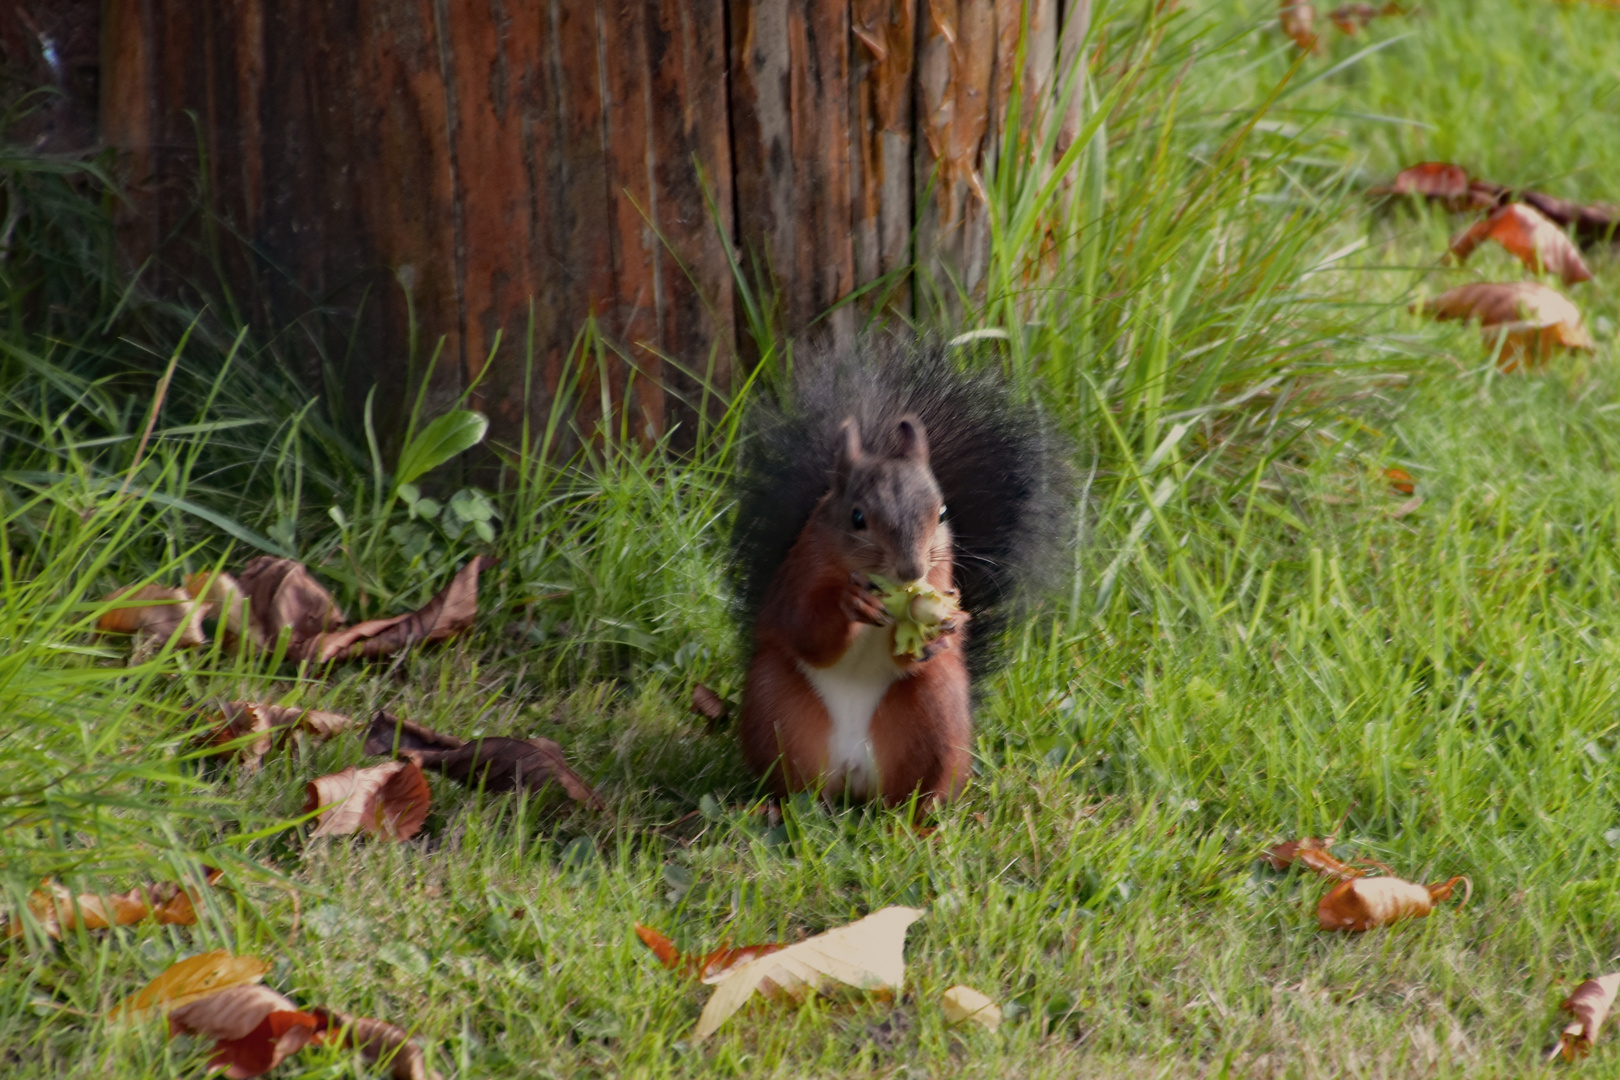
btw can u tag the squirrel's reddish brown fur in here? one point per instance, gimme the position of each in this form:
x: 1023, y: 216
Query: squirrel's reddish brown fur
x: 919, y: 731
x: 827, y: 705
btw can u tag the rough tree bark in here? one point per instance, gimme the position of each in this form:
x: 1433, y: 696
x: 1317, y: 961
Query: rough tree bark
x: 373, y: 166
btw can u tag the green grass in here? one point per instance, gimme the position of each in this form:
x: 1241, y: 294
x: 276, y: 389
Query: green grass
x: 1260, y: 639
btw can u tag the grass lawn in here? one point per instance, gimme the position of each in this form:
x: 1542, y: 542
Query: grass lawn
x: 1263, y: 639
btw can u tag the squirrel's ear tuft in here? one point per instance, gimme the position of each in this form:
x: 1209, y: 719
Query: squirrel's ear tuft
x: 913, y: 439
x: 849, y: 451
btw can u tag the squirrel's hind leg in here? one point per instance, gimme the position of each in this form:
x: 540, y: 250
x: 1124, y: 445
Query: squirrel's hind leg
x: 922, y: 732
x: 784, y: 727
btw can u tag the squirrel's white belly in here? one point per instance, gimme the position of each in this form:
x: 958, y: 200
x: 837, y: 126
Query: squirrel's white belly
x: 851, y: 690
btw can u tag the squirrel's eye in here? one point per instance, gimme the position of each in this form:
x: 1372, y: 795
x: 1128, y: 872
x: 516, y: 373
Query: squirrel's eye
x: 858, y: 519
x: 942, y: 511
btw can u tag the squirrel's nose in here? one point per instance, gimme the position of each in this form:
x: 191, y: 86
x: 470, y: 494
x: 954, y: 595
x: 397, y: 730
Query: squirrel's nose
x: 908, y: 570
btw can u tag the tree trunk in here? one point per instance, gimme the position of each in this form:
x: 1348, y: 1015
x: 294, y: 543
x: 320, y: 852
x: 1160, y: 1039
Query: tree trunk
x: 379, y: 175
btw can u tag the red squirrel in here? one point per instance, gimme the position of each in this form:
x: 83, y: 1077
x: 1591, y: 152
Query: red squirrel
x: 893, y: 461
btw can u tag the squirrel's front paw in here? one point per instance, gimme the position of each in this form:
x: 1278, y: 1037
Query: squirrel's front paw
x: 860, y: 604
x: 938, y: 644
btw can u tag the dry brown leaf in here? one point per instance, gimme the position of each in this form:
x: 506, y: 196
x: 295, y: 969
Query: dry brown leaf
x: 1533, y: 318
x: 1281, y: 856
x: 255, y: 1028
x: 1298, y: 21
x: 189, y: 980
x: 1445, y: 183
x: 60, y: 912
x: 1598, y: 223
x: 389, y: 801
x: 156, y: 612
x: 283, y: 595
x: 1531, y: 237
x: 1350, y: 18
x: 1449, y: 184
x: 965, y: 1004
x: 1407, y: 507
x: 378, y: 1043
x: 868, y: 954
x: 241, y: 718
x: 497, y: 763
x: 661, y: 946
x: 222, y: 598
x: 711, y: 967
x: 1589, y: 1004
x: 1432, y: 180
x: 449, y: 613
x: 1313, y: 855
x: 238, y: 720
x: 1363, y: 903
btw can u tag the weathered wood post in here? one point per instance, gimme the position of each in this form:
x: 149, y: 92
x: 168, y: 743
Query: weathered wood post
x: 371, y: 166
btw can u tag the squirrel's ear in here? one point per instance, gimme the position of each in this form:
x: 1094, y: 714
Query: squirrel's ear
x: 849, y: 451
x: 913, y: 439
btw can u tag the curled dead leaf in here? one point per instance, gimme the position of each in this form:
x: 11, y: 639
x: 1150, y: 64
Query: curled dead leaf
x: 1597, y: 223
x: 1363, y: 903
x: 496, y: 763
x: 390, y: 801
x: 449, y: 613
x: 378, y: 1042
x: 1444, y: 183
x: 963, y: 1004
x: 189, y: 980
x: 1313, y: 855
x: 1590, y: 1005
x: 60, y: 912
x: 239, y: 719
x: 1450, y: 185
x: 1350, y: 18
x: 283, y: 595
x: 1531, y: 237
x: 868, y: 954
x: 1281, y: 856
x: 1407, y: 507
x: 255, y: 1028
x: 711, y: 967
x: 1298, y: 21
x: 156, y: 612
x: 1533, y: 319
x: 661, y: 946
x: 1432, y: 180
x: 221, y: 598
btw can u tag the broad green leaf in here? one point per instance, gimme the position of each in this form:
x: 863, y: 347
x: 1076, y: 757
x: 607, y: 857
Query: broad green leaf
x: 444, y: 438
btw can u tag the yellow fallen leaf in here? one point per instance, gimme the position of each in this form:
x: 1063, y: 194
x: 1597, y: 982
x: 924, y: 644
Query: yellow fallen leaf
x: 963, y: 1003
x: 189, y: 980
x: 868, y: 954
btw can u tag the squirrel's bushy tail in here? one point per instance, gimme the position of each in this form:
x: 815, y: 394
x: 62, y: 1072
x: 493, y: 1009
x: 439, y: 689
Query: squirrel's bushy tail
x: 1005, y: 474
